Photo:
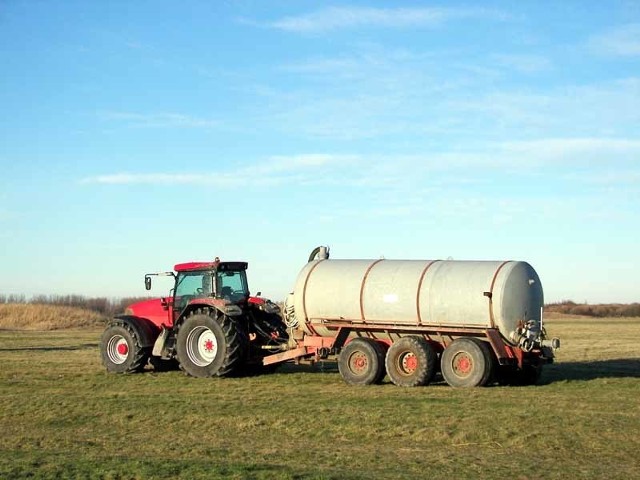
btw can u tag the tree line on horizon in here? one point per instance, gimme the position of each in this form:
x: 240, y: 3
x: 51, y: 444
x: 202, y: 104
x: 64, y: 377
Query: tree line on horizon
x: 112, y: 306
x: 102, y: 305
x: 569, y: 307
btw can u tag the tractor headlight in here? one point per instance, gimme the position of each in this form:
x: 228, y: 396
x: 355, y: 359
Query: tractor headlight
x: 270, y: 307
x: 232, y: 310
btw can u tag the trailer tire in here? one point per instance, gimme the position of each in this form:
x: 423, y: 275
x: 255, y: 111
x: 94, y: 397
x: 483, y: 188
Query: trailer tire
x: 467, y: 362
x: 209, y: 346
x: 361, y: 362
x: 121, y: 348
x: 411, y: 362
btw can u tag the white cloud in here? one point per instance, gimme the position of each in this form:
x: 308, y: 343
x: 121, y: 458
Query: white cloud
x: 333, y: 18
x: 204, y: 179
x: 523, y: 63
x: 275, y: 170
x: 577, y: 148
x: 283, y: 163
x: 623, y: 41
x: 424, y: 172
x: 159, y: 120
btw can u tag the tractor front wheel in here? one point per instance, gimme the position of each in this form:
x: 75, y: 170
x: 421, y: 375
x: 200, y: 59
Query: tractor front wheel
x: 121, y: 349
x: 208, y: 346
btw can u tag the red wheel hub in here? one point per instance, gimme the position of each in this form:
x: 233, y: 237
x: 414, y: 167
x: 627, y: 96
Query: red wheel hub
x: 463, y: 365
x: 358, y: 363
x: 208, y: 346
x: 123, y: 349
x: 410, y: 363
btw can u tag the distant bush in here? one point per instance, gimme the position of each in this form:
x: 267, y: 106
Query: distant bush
x: 101, y: 305
x: 568, y: 307
x: 25, y: 316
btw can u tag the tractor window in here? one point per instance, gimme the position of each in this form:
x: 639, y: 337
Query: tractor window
x: 233, y: 285
x: 192, y: 284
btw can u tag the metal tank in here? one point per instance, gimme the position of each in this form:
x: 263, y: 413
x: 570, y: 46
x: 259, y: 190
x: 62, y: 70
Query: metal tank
x: 506, y: 295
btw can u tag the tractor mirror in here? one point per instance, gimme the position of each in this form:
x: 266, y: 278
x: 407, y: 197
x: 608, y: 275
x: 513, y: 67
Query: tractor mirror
x: 147, y: 283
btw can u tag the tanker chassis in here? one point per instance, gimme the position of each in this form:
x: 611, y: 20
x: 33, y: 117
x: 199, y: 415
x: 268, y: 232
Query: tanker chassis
x: 475, y: 322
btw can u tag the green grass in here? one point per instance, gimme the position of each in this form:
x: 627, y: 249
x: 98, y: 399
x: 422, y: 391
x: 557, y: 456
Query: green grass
x: 63, y: 416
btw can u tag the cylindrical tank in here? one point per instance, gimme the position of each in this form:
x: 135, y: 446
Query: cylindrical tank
x: 426, y: 293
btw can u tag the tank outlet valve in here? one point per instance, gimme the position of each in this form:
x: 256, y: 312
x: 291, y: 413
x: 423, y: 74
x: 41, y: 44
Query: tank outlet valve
x: 528, y: 335
x: 553, y: 343
x: 232, y: 310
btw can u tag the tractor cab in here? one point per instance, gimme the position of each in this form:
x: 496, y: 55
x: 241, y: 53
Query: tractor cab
x: 222, y: 285
x: 218, y: 280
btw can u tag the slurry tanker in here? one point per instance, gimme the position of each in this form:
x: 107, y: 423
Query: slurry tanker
x: 474, y: 322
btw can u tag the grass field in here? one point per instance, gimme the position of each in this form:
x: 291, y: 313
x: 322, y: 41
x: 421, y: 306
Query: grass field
x: 63, y: 416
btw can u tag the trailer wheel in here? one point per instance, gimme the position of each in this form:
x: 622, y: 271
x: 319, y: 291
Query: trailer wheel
x: 411, y: 362
x: 467, y: 362
x: 208, y: 346
x: 361, y: 362
x: 121, y: 349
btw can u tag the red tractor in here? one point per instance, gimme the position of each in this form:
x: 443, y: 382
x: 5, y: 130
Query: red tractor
x: 210, y: 325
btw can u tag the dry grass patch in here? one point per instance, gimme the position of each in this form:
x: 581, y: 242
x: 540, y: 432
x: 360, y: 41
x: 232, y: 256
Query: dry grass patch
x: 46, y: 317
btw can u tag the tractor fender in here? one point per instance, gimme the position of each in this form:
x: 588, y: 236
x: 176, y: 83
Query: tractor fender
x: 146, y: 330
x: 214, y: 304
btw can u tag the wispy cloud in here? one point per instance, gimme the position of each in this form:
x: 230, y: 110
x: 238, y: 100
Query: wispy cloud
x: 623, y: 41
x: 523, y: 63
x: 334, y: 18
x: 420, y: 172
x: 272, y: 171
x: 159, y: 120
x: 574, y: 148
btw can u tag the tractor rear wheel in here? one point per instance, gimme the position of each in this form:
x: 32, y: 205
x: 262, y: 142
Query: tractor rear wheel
x: 121, y: 349
x: 208, y: 346
x: 411, y: 362
x: 361, y: 362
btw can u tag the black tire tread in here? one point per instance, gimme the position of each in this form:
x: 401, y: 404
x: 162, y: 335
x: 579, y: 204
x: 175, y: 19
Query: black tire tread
x: 140, y: 354
x: 376, y: 358
x: 234, y: 345
x: 473, y: 346
x: 426, y: 357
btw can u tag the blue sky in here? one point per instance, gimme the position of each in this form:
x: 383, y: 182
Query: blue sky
x: 137, y: 135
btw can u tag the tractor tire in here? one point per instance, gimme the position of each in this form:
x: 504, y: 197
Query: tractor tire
x: 121, y: 348
x: 361, y: 362
x: 467, y: 362
x: 411, y: 362
x: 208, y: 346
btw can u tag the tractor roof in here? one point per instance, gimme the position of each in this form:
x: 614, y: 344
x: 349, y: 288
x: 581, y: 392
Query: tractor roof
x: 189, y: 266
x: 181, y: 267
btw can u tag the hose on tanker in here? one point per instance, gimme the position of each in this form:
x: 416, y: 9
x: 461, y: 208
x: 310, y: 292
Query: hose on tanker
x: 289, y: 317
x: 315, y: 252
